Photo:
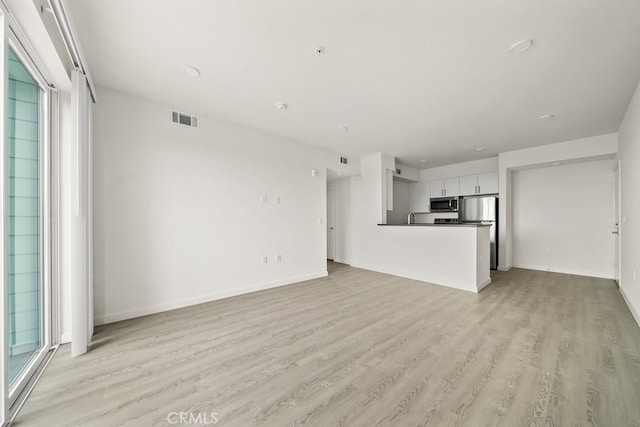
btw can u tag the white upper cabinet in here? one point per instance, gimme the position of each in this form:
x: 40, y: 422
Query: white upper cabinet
x: 419, y: 197
x: 468, y: 185
x: 452, y: 187
x: 488, y: 183
x: 485, y: 183
x: 436, y: 188
x: 448, y: 187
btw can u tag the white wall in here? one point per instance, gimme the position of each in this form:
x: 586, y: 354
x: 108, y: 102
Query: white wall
x: 629, y: 155
x: 584, y: 149
x: 401, y: 194
x: 563, y: 217
x: 412, y: 174
x: 343, y: 232
x: 366, y: 202
x: 178, y: 212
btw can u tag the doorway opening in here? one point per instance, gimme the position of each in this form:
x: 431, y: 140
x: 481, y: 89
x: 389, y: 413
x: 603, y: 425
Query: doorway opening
x: 339, y: 221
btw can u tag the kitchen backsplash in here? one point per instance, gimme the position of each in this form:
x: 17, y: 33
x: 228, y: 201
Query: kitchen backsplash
x: 427, y: 218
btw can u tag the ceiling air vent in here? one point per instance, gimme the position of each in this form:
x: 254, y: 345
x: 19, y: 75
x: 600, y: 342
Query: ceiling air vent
x: 344, y: 160
x: 184, y: 119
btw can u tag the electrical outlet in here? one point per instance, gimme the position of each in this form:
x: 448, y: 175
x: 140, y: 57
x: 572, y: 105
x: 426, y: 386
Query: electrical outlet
x: 265, y: 259
x: 264, y: 200
x: 277, y: 200
x: 278, y: 258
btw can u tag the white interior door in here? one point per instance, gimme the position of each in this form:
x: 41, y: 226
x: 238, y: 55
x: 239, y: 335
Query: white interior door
x: 616, y: 226
x: 331, y: 223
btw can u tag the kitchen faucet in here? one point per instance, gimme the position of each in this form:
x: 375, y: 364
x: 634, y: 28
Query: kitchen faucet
x: 411, y: 218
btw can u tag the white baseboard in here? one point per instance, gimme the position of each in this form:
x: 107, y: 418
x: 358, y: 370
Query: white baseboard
x: 505, y: 268
x: 159, y: 308
x: 634, y: 312
x: 484, y: 284
x: 342, y: 261
x: 562, y: 271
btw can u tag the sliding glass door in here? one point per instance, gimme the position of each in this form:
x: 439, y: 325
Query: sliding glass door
x: 25, y: 202
x: 29, y: 292
x: 28, y: 212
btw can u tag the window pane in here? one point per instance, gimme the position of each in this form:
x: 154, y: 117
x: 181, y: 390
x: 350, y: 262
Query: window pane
x: 26, y: 321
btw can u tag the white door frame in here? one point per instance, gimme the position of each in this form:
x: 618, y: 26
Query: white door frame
x: 331, y: 223
x: 617, y: 219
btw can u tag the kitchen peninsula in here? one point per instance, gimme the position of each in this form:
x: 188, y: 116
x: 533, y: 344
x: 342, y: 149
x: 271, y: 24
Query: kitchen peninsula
x: 453, y: 255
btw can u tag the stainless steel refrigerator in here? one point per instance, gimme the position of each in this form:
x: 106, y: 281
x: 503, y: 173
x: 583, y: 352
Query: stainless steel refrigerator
x: 483, y: 210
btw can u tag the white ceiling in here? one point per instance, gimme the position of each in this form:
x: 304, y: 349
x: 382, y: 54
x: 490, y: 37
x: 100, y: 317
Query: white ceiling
x: 417, y: 79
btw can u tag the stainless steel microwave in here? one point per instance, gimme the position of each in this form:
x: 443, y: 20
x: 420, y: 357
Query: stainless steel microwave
x: 444, y: 204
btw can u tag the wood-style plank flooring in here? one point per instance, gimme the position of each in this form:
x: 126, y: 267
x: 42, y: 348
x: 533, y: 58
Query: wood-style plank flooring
x: 360, y: 348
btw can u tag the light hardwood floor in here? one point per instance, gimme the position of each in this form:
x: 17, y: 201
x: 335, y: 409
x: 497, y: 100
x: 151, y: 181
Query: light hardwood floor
x: 360, y: 348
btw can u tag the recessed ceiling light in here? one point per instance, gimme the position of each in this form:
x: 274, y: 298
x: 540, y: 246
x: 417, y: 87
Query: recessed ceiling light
x: 521, y: 46
x: 423, y: 161
x: 556, y: 163
x: 191, y: 71
x: 546, y: 117
x: 477, y: 148
x: 342, y: 129
x: 320, y: 50
x: 281, y: 106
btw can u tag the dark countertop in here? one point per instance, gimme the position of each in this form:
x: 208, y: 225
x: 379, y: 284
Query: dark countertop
x: 437, y: 225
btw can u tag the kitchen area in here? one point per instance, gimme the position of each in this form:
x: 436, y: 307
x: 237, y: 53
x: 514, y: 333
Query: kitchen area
x: 409, y: 226
x: 441, y: 225
x: 469, y: 200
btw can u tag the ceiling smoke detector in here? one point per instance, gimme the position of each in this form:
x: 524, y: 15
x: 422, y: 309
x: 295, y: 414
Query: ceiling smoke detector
x: 281, y: 106
x: 521, y: 46
x: 342, y: 129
